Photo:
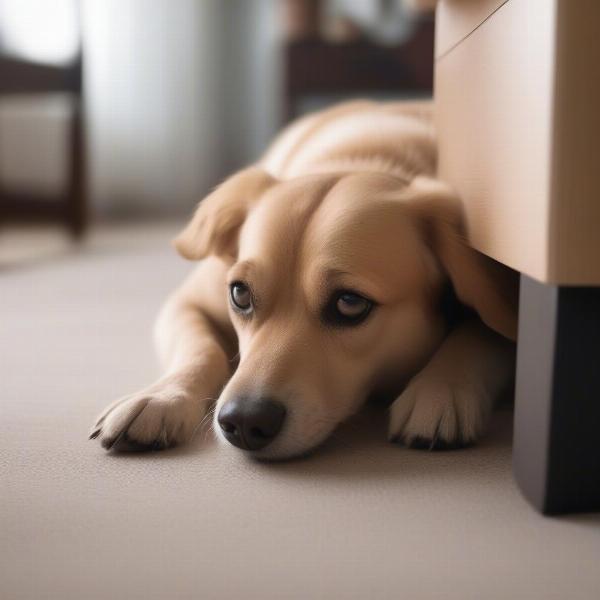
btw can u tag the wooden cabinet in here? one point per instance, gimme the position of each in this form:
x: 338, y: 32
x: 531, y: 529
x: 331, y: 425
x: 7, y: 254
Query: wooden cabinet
x: 517, y: 90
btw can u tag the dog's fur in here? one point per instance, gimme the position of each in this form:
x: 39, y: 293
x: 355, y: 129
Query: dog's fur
x: 344, y: 199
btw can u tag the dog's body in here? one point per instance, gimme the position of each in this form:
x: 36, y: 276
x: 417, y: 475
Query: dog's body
x: 322, y: 269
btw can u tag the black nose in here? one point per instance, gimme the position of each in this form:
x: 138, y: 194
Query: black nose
x: 249, y: 423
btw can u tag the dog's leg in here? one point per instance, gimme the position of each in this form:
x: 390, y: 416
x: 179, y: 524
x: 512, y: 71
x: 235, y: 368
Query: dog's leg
x: 447, y: 404
x: 191, y: 334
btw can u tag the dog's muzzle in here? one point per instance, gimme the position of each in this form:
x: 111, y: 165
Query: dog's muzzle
x: 251, y: 423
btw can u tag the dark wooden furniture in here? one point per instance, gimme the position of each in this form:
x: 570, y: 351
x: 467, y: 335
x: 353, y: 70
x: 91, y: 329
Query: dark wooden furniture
x: 315, y: 67
x: 557, y: 409
x: 22, y: 77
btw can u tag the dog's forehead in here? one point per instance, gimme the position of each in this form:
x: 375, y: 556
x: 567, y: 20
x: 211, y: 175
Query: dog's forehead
x: 280, y: 219
x: 364, y: 226
x: 288, y: 208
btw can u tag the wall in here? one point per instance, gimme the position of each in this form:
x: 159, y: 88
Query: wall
x: 179, y: 93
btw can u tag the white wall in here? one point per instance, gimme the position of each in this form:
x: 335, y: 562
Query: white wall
x: 250, y: 79
x: 179, y: 92
x: 149, y: 79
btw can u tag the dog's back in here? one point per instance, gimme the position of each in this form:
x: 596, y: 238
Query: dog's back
x: 396, y: 138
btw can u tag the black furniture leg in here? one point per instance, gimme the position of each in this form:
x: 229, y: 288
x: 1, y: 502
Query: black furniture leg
x: 556, y: 450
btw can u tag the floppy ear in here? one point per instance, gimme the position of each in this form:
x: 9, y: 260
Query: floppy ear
x: 216, y: 223
x: 480, y: 282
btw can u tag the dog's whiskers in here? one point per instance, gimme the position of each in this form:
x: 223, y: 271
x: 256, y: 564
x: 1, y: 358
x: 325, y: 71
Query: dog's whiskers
x: 207, y: 417
x: 209, y: 427
x: 207, y: 422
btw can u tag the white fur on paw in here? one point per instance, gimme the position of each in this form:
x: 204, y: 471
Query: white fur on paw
x: 161, y: 416
x: 438, y: 414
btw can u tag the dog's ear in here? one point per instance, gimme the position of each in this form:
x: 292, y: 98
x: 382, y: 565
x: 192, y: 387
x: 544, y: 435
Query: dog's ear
x: 479, y: 281
x: 215, y: 226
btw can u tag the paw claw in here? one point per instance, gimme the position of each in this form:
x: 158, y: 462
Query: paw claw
x: 421, y: 443
x: 95, y: 433
x: 107, y: 443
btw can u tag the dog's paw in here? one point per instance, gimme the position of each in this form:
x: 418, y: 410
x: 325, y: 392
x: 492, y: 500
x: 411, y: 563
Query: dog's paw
x: 159, y: 417
x: 439, y: 415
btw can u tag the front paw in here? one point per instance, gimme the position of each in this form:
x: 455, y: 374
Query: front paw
x: 438, y: 415
x: 161, y: 416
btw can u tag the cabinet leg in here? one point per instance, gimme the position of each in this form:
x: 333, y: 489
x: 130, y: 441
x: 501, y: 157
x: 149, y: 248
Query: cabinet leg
x: 556, y: 450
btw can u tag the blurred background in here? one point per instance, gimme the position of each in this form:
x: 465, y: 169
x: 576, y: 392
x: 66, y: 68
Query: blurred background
x: 129, y: 111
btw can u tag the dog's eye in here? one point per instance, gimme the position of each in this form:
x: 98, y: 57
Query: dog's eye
x: 352, y: 306
x: 348, y: 308
x: 241, y: 296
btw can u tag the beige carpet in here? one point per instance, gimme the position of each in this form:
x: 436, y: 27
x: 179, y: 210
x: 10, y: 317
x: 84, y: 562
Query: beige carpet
x: 360, y: 519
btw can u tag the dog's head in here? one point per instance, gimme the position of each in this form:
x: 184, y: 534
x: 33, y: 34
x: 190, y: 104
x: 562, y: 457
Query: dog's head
x: 334, y: 289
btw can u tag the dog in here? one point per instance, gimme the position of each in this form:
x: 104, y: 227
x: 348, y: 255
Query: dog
x: 321, y: 278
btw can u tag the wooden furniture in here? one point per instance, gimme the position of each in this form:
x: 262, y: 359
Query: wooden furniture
x: 315, y: 67
x: 517, y: 95
x: 22, y: 77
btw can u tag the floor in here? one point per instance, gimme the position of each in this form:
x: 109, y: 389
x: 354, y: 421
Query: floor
x: 359, y: 519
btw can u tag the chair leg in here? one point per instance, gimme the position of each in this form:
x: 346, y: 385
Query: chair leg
x: 556, y: 451
x: 76, y: 213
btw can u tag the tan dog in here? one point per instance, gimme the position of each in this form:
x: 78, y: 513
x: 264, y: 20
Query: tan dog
x: 322, y: 269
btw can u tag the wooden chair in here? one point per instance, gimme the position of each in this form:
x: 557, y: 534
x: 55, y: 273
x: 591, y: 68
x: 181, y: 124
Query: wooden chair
x: 315, y: 67
x: 22, y: 77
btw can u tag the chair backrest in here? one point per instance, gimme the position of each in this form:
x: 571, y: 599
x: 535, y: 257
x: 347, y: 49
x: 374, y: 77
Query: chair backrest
x: 19, y: 76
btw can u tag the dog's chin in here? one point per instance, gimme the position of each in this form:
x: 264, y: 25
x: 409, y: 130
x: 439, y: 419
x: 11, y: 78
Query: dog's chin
x: 284, y: 448
x: 279, y: 455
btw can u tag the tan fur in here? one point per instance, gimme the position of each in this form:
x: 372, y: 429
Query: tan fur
x: 343, y: 199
